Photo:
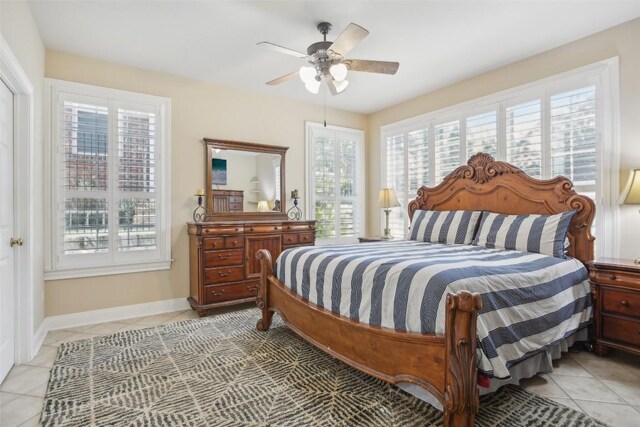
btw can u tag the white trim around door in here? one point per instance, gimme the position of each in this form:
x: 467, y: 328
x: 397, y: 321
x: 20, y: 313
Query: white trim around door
x: 24, y: 188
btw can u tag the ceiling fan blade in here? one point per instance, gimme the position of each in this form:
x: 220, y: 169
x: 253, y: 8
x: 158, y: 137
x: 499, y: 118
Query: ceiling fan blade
x: 283, y: 78
x: 382, y: 67
x: 282, y: 49
x: 331, y: 85
x: 348, y: 39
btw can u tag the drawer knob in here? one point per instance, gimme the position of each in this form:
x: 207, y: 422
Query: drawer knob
x: 252, y: 288
x: 217, y: 294
x: 612, y: 277
x: 223, y: 256
x: 222, y: 274
x: 624, y: 303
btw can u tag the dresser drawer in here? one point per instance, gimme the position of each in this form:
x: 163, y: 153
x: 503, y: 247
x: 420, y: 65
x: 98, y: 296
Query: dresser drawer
x: 621, y: 302
x: 290, y: 239
x: 298, y: 227
x: 235, y: 199
x: 220, y: 293
x: 213, y: 243
x: 235, y: 207
x: 233, y: 242
x: 616, y: 278
x: 220, y: 231
x: 263, y: 228
x: 223, y: 258
x: 222, y: 275
x: 622, y: 330
x: 307, y: 237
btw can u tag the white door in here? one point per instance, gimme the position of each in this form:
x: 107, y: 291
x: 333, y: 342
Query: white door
x: 7, y: 330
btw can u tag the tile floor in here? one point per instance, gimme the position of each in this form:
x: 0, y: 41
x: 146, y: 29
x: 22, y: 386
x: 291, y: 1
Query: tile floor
x: 605, y: 388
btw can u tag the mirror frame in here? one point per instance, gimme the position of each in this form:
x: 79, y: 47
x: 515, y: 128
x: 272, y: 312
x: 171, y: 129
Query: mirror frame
x: 209, y: 145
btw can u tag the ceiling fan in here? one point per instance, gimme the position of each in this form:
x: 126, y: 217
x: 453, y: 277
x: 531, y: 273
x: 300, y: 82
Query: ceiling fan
x: 328, y: 62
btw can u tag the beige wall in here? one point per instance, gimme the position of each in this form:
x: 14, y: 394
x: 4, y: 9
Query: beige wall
x: 205, y: 109
x: 622, y: 41
x: 21, y: 35
x: 199, y: 109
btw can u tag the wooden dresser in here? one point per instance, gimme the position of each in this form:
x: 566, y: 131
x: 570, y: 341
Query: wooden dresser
x: 227, y: 200
x: 615, y: 284
x: 223, y: 268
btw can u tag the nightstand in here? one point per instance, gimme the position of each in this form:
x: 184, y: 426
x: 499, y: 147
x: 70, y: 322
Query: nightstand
x: 615, y: 286
x: 373, y: 239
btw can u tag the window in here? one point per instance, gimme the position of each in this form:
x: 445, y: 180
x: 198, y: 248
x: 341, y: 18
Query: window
x: 524, y: 137
x: 109, y: 157
x: 335, y: 158
x: 276, y: 178
x: 548, y: 128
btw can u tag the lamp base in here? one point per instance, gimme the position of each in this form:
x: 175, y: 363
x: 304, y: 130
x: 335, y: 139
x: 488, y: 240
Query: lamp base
x: 387, y: 231
x: 387, y: 235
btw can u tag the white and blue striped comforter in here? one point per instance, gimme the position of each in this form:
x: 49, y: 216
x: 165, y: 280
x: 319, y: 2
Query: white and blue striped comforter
x: 530, y: 301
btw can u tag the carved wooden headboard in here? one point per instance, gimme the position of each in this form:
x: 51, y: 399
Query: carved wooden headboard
x: 485, y: 184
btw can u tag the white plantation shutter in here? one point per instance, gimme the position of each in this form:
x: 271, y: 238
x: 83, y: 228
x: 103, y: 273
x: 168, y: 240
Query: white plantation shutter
x: 524, y: 137
x: 554, y: 129
x: 108, y: 183
x: 348, y: 183
x: 337, y: 182
x: 83, y: 141
x: 481, y: 134
x: 573, y: 136
x: 137, y: 213
x: 447, y: 153
x: 406, y: 151
x: 396, y: 179
x: 276, y: 179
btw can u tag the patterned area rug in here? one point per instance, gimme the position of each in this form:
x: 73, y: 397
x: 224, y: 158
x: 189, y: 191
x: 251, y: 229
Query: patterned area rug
x: 219, y: 371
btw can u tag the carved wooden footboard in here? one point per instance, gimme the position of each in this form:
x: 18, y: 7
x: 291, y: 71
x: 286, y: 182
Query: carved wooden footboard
x: 445, y: 365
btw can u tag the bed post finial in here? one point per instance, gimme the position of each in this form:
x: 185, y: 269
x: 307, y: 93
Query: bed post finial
x: 461, y: 381
x: 262, y: 300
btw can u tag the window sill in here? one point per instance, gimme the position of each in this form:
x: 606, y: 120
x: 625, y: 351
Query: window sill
x: 107, y: 270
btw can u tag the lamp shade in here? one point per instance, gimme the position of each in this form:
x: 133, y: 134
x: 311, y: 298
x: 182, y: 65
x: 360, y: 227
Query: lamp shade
x: 263, y: 206
x: 631, y: 193
x: 387, y: 198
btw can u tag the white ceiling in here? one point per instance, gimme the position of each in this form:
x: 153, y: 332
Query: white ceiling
x: 436, y: 42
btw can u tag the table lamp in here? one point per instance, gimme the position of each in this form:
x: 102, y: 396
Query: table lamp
x: 263, y: 206
x: 631, y: 193
x: 387, y: 199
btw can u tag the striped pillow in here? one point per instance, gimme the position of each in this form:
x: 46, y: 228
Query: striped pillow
x: 543, y: 234
x: 444, y: 226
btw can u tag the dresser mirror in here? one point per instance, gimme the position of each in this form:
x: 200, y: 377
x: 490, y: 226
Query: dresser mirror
x: 244, y: 180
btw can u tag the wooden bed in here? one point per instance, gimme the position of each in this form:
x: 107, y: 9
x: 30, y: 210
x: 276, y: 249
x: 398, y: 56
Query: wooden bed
x: 445, y: 365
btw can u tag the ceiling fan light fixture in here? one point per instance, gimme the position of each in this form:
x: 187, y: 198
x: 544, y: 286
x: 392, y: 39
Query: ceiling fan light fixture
x: 339, y: 72
x: 308, y: 74
x: 341, y: 85
x: 313, y: 86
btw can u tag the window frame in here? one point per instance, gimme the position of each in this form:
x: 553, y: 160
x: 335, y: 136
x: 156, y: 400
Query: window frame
x: 63, y: 266
x: 603, y: 75
x: 358, y: 135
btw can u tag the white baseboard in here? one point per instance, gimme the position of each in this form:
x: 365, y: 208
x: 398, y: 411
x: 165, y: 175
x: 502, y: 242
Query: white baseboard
x: 115, y: 313
x: 37, y: 340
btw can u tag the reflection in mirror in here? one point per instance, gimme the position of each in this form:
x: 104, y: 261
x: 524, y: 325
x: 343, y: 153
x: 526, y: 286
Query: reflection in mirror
x: 245, y: 181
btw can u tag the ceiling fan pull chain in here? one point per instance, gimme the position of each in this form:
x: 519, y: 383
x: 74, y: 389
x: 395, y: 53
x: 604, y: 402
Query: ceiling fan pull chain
x: 324, y: 94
